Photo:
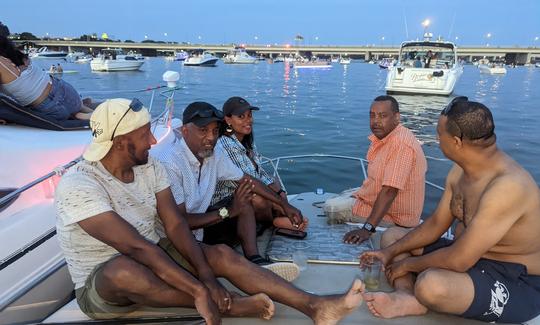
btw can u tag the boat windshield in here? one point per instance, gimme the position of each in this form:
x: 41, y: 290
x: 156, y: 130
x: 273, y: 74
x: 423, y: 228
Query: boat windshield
x: 418, y: 54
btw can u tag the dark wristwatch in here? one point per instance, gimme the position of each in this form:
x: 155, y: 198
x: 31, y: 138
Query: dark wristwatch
x: 369, y: 227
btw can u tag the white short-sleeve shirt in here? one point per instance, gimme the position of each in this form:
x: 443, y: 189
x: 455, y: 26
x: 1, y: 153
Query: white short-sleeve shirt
x: 192, y: 183
x: 87, y: 190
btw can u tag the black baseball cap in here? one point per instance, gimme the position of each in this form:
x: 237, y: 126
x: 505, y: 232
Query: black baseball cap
x: 237, y: 106
x: 201, y: 114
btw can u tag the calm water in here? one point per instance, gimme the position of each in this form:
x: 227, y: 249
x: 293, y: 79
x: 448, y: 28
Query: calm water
x: 326, y: 111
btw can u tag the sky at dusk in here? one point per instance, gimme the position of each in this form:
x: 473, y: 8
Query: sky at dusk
x: 331, y: 22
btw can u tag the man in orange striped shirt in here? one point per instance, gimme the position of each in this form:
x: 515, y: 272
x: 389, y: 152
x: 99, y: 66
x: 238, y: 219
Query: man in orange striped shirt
x: 393, y: 192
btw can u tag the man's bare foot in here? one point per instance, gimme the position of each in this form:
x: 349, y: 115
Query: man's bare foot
x: 330, y: 309
x: 284, y: 222
x: 394, y: 304
x: 259, y: 305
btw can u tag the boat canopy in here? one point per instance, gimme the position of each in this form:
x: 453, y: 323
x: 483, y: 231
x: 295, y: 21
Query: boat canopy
x: 440, y: 45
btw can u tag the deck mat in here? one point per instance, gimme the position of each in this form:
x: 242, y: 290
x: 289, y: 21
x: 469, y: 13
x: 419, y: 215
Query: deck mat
x: 325, y: 241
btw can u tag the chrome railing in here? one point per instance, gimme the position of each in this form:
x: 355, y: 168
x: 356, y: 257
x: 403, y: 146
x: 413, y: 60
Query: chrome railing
x: 274, y: 162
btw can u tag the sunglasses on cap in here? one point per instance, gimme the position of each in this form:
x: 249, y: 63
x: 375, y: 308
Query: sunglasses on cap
x: 136, y: 105
x: 209, y: 112
x: 450, y: 106
x: 448, y: 109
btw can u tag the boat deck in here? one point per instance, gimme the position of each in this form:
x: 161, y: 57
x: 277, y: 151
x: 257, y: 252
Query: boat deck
x: 320, y: 278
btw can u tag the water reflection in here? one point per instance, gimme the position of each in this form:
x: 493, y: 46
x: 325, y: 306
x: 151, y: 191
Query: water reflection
x: 420, y: 114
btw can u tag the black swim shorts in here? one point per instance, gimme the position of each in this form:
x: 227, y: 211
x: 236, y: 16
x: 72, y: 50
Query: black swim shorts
x: 503, y: 291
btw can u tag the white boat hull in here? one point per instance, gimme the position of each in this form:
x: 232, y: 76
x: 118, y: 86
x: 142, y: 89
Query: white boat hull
x: 491, y: 70
x: 422, y: 80
x: 311, y: 66
x: 33, y: 275
x: 115, y: 65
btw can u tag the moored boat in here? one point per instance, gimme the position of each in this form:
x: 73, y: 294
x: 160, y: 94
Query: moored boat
x: 115, y: 60
x: 437, y: 74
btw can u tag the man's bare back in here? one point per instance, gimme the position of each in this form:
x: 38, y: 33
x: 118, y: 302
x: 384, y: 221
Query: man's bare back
x: 520, y: 244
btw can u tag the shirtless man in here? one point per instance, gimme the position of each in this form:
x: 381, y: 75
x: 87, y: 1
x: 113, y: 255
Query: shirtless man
x: 491, y: 270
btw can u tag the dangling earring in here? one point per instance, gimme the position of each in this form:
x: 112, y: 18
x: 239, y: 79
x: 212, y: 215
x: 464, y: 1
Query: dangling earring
x: 229, y: 129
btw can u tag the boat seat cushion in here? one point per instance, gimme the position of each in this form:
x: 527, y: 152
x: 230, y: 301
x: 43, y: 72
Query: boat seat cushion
x: 13, y: 112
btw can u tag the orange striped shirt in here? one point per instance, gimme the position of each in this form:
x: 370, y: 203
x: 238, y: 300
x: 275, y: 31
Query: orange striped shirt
x: 397, y: 161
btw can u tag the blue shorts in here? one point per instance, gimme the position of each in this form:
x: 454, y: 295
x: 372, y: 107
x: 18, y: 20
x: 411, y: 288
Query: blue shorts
x: 503, y: 291
x: 62, y: 102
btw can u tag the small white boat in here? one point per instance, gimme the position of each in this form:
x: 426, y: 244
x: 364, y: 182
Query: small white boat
x: 334, y: 60
x: 437, y: 76
x: 343, y: 60
x: 177, y: 56
x: 74, y: 56
x: 44, y: 53
x: 312, y: 64
x: 279, y: 58
x: 239, y: 56
x: 137, y: 56
x: 537, y: 64
x: 201, y: 59
x: 492, y: 68
x: 115, y: 60
x: 385, y: 63
x: 84, y: 59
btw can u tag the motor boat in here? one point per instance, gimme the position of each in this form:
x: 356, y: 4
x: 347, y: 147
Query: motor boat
x: 239, y: 56
x: 115, y: 60
x: 44, y: 53
x: 84, y: 59
x: 201, y: 58
x: 177, y: 56
x: 344, y: 60
x: 492, y: 68
x: 334, y: 59
x: 137, y: 56
x: 437, y: 74
x: 279, y: 58
x: 385, y: 63
x: 313, y: 63
x: 74, y: 56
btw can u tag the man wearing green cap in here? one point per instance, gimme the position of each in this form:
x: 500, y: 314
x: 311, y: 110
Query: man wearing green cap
x: 108, y: 206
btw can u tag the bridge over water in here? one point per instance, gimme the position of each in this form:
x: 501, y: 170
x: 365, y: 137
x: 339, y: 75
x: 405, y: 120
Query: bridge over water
x: 518, y: 55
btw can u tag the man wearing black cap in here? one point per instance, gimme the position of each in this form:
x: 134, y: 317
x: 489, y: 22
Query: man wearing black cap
x: 194, y: 169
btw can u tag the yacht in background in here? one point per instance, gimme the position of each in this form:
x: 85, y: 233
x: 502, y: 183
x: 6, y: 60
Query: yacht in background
x: 177, y: 56
x: 385, y: 63
x: 425, y: 67
x: 200, y: 58
x: 344, y: 60
x: 238, y: 55
x: 492, y: 68
x: 115, y: 60
x: 44, y: 53
x: 279, y: 58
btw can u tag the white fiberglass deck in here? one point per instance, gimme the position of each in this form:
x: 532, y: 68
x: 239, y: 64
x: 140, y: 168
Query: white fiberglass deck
x: 318, y: 278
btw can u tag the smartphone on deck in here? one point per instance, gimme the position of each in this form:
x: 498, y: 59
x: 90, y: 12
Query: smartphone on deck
x: 296, y: 234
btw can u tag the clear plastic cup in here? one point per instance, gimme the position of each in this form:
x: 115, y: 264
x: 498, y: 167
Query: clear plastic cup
x: 372, y: 274
x: 300, y: 255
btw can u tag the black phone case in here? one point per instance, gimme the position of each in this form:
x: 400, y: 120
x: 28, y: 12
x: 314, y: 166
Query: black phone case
x: 296, y: 234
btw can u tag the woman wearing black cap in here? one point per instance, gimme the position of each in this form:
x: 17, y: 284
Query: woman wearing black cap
x: 236, y: 139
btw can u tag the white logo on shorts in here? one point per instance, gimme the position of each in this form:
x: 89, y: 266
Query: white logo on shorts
x: 499, y: 298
